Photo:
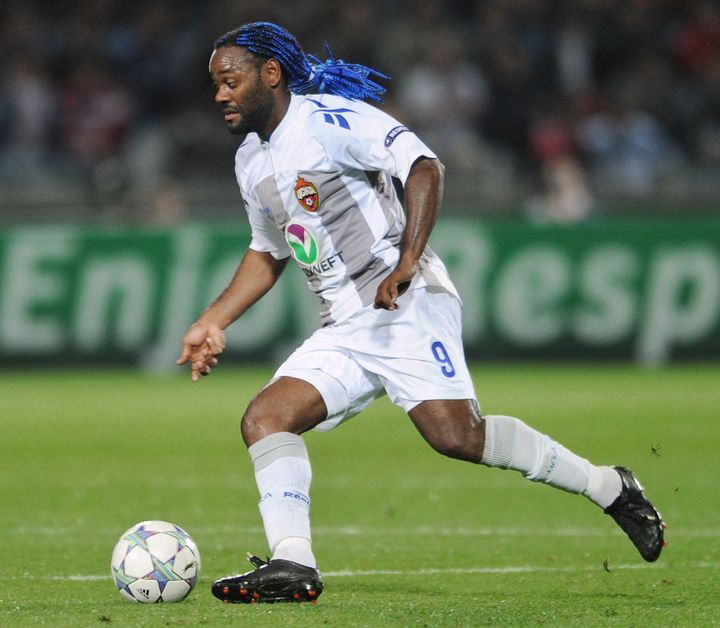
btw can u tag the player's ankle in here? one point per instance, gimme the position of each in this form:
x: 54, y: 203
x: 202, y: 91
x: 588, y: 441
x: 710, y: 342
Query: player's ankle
x: 296, y: 549
x: 604, y: 486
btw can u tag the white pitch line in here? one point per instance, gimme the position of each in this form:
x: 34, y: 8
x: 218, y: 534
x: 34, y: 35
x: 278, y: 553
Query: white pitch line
x: 506, y: 570
x: 430, y: 571
x: 380, y: 530
x: 480, y: 531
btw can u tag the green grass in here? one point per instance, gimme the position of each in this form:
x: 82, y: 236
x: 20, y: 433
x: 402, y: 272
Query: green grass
x: 404, y: 536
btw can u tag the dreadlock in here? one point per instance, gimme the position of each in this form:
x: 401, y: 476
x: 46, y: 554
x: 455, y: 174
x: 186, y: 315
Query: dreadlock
x: 305, y: 73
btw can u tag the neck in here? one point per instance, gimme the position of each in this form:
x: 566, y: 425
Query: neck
x: 282, y: 103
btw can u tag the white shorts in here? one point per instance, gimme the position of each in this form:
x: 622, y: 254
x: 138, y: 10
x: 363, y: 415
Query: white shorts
x: 413, y: 354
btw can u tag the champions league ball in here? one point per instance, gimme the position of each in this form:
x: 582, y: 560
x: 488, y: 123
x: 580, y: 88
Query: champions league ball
x: 155, y: 561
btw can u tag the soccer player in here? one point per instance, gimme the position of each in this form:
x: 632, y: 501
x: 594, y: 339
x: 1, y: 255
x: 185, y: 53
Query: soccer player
x: 316, y: 168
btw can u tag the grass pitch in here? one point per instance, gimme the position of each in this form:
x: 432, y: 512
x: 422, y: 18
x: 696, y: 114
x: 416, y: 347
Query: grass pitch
x: 404, y: 536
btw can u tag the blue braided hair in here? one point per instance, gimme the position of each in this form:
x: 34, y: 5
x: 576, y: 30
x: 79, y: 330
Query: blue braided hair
x: 305, y: 73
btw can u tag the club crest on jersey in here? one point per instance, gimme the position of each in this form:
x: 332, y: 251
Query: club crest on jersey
x: 307, y: 195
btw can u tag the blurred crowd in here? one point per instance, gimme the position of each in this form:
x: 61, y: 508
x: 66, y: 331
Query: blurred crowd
x: 560, y: 109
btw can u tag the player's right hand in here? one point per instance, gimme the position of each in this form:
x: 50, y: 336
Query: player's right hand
x: 200, y: 346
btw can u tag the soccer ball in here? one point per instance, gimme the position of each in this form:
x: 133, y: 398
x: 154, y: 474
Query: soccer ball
x: 155, y: 561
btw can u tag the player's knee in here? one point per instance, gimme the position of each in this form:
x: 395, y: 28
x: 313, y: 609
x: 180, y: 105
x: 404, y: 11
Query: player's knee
x: 265, y: 416
x: 254, y: 424
x: 459, y: 441
x: 454, y: 429
x: 457, y: 449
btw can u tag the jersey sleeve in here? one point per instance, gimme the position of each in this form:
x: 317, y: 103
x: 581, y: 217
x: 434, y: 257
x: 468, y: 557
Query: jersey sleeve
x: 364, y: 137
x: 266, y: 237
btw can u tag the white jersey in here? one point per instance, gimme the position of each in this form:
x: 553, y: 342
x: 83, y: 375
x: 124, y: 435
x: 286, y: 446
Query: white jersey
x: 321, y: 190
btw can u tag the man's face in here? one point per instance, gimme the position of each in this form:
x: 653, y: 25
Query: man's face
x: 243, y: 97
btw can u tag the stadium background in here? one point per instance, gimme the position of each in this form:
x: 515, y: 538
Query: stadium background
x: 581, y: 139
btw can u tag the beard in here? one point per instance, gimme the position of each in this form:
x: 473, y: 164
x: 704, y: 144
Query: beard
x: 254, y: 113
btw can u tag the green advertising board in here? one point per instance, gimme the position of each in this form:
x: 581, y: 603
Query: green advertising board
x: 640, y: 290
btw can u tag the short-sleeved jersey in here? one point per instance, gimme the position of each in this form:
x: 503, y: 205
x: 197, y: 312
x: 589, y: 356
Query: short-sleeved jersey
x: 321, y: 190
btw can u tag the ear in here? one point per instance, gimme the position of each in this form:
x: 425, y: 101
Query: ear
x: 271, y: 73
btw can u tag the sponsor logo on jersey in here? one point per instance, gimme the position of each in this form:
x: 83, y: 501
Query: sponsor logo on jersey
x: 324, y: 265
x: 333, y: 116
x: 392, y: 135
x: 307, y: 195
x: 302, y: 243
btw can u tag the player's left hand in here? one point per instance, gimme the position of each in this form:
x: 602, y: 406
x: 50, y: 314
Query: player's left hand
x: 393, y: 286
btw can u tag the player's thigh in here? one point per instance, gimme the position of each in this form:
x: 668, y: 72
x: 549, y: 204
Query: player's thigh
x: 287, y: 404
x: 344, y: 385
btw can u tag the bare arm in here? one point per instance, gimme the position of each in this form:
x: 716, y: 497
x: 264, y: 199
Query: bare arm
x: 256, y: 274
x: 204, y: 341
x: 423, y: 196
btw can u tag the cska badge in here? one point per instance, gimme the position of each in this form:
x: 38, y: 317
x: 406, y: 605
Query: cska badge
x: 307, y: 195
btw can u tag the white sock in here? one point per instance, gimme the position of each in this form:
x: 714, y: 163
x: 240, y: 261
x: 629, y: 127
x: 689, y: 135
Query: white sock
x: 604, y: 486
x: 511, y: 444
x: 296, y: 549
x: 283, y: 476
